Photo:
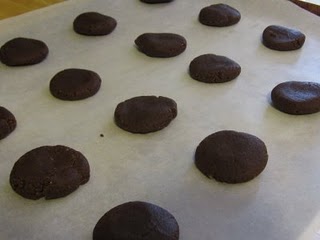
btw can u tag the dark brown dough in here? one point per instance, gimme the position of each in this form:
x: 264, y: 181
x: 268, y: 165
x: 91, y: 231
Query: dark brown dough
x: 23, y: 51
x: 162, y: 45
x: 231, y: 157
x: 156, y: 1
x: 94, y: 24
x: 50, y: 172
x: 137, y: 221
x: 7, y: 122
x: 145, y: 114
x: 219, y: 15
x: 297, y: 98
x: 282, y: 38
x: 75, y: 84
x: 210, y: 68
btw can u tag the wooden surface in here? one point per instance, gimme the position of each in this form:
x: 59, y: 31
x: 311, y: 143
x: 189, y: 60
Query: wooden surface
x: 311, y: 7
x: 10, y: 8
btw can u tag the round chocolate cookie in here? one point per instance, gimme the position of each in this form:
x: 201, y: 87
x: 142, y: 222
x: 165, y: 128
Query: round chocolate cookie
x: 7, y: 122
x: 23, y: 51
x: 50, y: 172
x: 156, y: 1
x: 282, y: 38
x: 145, y: 114
x: 94, y: 24
x: 210, y: 68
x: 137, y: 220
x: 231, y: 157
x: 297, y: 98
x: 219, y: 15
x: 75, y: 84
x: 162, y: 45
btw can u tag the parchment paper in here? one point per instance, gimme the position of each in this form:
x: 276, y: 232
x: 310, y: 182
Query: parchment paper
x: 282, y: 203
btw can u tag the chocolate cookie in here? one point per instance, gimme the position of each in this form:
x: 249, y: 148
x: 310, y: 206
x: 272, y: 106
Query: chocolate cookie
x: 75, y: 84
x: 297, y: 98
x: 7, y: 122
x: 156, y: 1
x: 50, y: 172
x: 162, y: 45
x: 210, y: 68
x: 231, y: 157
x: 282, y: 38
x: 219, y: 15
x: 145, y: 114
x: 23, y: 51
x: 137, y: 220
x: 94, y: 24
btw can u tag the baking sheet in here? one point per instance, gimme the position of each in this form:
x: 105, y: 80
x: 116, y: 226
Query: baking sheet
x: 282, y: 203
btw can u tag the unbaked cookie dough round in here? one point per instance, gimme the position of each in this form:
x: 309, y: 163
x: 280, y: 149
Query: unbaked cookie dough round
x: 231, y: 157
x: 219, y: 15
x: 211, y: 68
x: 7, y: 122
x: 137, y: 220
x: 282, y: 38
x: 162, y: 45
x: 94, y: 24
x: 75, y: 84
x: 145, y: 114
x: 297, y: 98
x: 49, y: 172
x: 23, y: 51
